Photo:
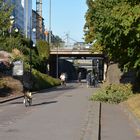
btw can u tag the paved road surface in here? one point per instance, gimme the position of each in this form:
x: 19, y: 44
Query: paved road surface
x: 62, y: 114
x: 116, y: 125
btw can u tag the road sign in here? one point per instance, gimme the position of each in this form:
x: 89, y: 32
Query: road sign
x: 18, y: 68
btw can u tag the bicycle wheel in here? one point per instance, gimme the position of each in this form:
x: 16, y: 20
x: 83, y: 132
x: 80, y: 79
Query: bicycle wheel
x: 30, y: 101
x: 27, y: 102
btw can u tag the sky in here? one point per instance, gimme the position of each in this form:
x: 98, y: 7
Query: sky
x: 67, y: 17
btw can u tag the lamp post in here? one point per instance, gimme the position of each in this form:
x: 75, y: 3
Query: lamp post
x: 57, y: 62
x: 11, y: 21
x: 50, y: 10
x: 30, y: 53
x: 49, y: 34
x: 97, y: 68
x: 16, y: 30
x: 30, y: 57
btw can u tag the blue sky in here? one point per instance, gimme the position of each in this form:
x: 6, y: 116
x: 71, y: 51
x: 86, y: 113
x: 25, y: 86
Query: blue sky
x: 67, y: 17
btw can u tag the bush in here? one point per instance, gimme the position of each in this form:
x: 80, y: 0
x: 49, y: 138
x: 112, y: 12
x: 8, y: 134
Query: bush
x: 2, y: 84
x: 43, y: 81
x: 113, y: 93
x: 4, y: 89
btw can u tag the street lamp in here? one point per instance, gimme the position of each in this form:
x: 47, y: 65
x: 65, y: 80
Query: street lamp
x: 49, y: 39
x: 31, y: 45
x: 11, y: 21
x: 97, y: 68
x: 57, y: 62
x: 16, y: 30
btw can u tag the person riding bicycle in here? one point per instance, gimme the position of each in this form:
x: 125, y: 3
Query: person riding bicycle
x: 63, y: 79
x: 27, y: 94
x: 26, y: 91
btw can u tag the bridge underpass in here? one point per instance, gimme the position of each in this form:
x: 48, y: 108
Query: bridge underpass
x: 62, y: 60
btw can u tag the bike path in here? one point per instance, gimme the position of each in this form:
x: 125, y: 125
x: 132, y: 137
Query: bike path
x: 116, y: 125
x: 70, y: 116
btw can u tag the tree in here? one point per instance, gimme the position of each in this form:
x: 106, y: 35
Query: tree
x: 5, y: 12
x: 41, y: 57
x: 57, y: 41
x: 115, y: 24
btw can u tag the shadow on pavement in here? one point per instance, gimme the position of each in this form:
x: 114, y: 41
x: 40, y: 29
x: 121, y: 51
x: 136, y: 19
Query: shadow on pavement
x: 37, y: 104
x: 16, y: 103
x: 44, y: 103
x: 57, y: 89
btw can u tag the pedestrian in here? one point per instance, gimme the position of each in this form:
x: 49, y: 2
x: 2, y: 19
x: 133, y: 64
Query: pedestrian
x: 96, y: 80
x: 88, y: 79
x: 79, y: 77
x: 92, y: 79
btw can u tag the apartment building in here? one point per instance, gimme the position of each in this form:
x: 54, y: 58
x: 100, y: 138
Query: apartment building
x: 22, y: 15
x: 26, y: 19
x: 38, y: 23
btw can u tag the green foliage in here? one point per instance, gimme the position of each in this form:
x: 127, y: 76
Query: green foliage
x: 40, y: 80
x: 57, y: 42
x: 97, y: 48
x: 43, y: 49
x: 41, y: 56
x: 113, y: 93
x: 2, y: 84
x: 5, y: 12
x: 8, y: 44
x: 43, y: 81
x: 4, y: 89
x: 115, y: 24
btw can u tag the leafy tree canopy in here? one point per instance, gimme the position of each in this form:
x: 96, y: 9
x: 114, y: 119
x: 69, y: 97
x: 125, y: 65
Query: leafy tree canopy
x: 115, y: 24
x: 5, y: 13
x: 43, y: 49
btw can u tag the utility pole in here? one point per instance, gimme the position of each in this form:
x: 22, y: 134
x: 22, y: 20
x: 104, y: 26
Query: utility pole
x: 26, y: 19
x: 30, y: 54
x: 67, y: 35
x: 50, y: 12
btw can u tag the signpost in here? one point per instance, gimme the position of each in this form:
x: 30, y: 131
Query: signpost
x: 18, y: 68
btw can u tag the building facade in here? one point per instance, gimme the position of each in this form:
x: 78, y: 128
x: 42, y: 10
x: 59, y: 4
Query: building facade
x: 38, y: 23
x: 22, y: 14
x: 26, y: 19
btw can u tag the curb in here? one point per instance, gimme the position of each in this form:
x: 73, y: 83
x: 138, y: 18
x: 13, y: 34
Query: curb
x: 100, y: 115
x: 131, y: 116
x: 21, y: 96
x: 92, y: 128
x: 10, y: 99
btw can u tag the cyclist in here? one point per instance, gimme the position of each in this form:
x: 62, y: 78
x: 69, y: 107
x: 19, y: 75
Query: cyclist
x: 27, y: 93
x: 63, y: 79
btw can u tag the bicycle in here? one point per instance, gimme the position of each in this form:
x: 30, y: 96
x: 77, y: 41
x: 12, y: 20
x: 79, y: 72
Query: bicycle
x: 28, y: 99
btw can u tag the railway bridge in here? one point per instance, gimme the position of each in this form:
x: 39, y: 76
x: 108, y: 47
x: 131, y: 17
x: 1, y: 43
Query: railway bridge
x: 79, y: 58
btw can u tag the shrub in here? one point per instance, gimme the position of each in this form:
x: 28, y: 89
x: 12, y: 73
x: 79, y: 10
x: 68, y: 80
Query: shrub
x: 4, y: 89
x: 2, y: 84
x: 43, y: 81
x: 113, y: 93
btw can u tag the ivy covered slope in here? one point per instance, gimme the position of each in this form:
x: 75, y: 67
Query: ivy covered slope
x: 19, y: 49
x: 40, y: 54
x: 115, y: 26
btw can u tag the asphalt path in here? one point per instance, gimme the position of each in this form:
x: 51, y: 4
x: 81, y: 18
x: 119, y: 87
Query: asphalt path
x: 116, y: 124
x: 63, y: 113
